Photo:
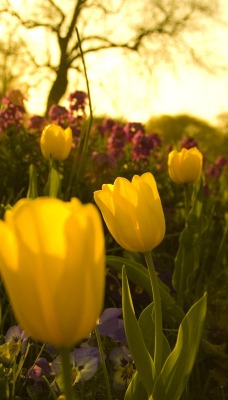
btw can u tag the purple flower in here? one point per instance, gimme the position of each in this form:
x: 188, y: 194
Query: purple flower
x: 155, y: 138
x: 131, y: 128
x: 189, y: 142
x: 142, y: 145
x: 108, y: 124
x: 116, y: 141
x: 84, y: 362
x: 221, y: 161
x: 16, y: 334
x: 105, y: 127
x: 75, y: 123
x: 78, y: 100
x: 214, y: 171
x: 16, y: 340
x: 36, y: 123
x: 11, y: 116
x: 124, y: 367
x: 58, y: 115
x: 111, y: 326
x: 39, y: 369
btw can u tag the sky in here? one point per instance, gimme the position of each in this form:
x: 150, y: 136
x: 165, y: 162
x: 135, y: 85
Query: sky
x: 184, y: 89
x: 121, y: 89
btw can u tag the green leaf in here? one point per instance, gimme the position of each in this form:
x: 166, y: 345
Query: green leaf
x: 221, y: 249
x: 138, y: 274
x: 32, y: 190
x: 143, y: 361
x: 187, y: 260
x: 178, y: 366
x: 136, y: 390
x: 146, y: 323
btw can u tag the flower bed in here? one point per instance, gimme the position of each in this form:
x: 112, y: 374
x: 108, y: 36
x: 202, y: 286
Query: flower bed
x: 83, y: 206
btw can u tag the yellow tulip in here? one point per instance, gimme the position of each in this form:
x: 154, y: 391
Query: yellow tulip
x: 55, y: 142
x: 53, y: 266
x: 185, y: 166
x: 133, y: 212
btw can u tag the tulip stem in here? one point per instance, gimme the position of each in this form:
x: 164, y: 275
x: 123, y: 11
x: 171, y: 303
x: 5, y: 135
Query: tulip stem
x: 52, y: 187
x: 187, y: 197
x: 67, y: 372
x: 109, y: 394
x: 157, y: 313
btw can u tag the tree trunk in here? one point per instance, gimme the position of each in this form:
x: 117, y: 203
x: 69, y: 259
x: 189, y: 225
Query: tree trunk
x: 58, y: 88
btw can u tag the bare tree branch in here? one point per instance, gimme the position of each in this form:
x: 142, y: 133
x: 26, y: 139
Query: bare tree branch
x: 155, y: 26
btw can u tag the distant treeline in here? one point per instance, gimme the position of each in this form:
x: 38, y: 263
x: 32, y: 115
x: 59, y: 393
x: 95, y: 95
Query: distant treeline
x: 212, y: 140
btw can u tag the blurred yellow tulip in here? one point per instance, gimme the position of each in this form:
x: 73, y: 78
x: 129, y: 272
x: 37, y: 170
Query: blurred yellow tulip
x: 55, y: 142
x: 185, y: 166
x: 52, y: 262
x: 133, y: 212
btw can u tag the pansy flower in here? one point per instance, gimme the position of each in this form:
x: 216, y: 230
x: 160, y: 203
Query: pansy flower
x: 84, y: 363
x: 39, y: 369
x: 16, y: 334
x: 124, y: 367
x: 111, y: 326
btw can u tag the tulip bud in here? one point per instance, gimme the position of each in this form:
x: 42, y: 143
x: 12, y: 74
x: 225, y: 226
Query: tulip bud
x: 55, y: 142
x: 53, y: 266
x: 133, y: 212
x: 185, y: 166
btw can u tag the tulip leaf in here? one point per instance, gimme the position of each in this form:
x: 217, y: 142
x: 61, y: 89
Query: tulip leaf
x: 146, y: 323
x: 143, y: 361
x: 222, y: 249
x: 187, y: 260
x: 136, y: 271
x: 32, y: 190
x: 136, y: 390
x: 174, y: 375
x: 139, y: 275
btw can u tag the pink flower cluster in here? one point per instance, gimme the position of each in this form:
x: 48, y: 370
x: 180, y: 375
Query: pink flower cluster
x: 62, y: 116
x: 12, y: 113
x: 216, y: 169
x: 188, y: 142
x: 131, y: 135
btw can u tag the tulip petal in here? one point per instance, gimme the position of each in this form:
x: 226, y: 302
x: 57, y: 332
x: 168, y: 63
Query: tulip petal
x: 117, y: 219
x: 185, y: 166
x: 192, y: 165
x: 53, y: 267
x: 55, y: 142
x: 133, y: 212
x: 174, y: 163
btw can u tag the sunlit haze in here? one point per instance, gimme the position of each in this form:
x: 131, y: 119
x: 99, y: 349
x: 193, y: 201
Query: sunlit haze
x: 121, y: 89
